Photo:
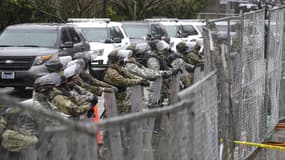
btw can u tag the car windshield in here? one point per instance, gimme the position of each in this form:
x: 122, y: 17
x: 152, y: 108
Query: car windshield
x: 96, y: 34
x: 190, y: 30
x: 136, y: 31
x: 29, y: 38
x: 199, y: 27
x: 171, y: 30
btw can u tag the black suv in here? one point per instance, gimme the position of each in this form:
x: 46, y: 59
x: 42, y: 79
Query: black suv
x: 25, y: 48
x: 140, y: 31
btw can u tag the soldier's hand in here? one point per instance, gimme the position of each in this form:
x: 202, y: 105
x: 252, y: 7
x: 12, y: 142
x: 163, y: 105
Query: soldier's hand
x: 144, y: 83
x: 108, y: 90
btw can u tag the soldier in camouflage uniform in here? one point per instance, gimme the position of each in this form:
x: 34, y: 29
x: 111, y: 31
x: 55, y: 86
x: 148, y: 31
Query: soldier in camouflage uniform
x: 119, y: 77
x: 133, y: 66
x: 18, y: 129
x: 87, y: 82
x: 178, y: 61
x: 193, y: 56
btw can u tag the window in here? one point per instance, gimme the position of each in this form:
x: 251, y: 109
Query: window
x: 75, y: 37
x: 95, y: 34
x: 156, y: 30
x: 115, y: 32
x: 190, y: 30
x: 136, y: 30
x: 65, y: 36
x: 36, y: 37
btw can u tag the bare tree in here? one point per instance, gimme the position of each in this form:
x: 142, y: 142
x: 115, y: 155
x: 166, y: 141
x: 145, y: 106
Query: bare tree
x: 136, y: 9
x: 63, y: 9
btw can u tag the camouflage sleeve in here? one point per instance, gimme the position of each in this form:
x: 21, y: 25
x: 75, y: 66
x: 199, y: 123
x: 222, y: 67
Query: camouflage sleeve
x: 93, y: 89
x: 189, y: 66
x: 94, y: 81
x: 114, y: 78
x: 194, y: 59
x: 153, y: 63
x: 130, y: 75
x: 67, y: 106
x: 144, y: 72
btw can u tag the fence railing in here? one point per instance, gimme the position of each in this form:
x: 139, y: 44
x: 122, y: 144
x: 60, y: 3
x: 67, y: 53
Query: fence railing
x: 250, y: 51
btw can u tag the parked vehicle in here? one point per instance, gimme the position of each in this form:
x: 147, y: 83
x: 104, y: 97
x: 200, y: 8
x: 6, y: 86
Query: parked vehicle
x: 25, y: 48
x: 142, y: 31
x: 103, y: 36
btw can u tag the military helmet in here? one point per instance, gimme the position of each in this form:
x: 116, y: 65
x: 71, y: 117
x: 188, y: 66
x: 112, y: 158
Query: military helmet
x: 54, y: 65
x: 113, y: 57
x: 142, y: 48
x: 83, y: 55
x: 80, y: 62
x: 51, y: 79
x: 72, y: 71
x: 131, y: 47
x: 124, y: 54
x: 64, y: 60
x: 181, y: 47
x: 162, y: 45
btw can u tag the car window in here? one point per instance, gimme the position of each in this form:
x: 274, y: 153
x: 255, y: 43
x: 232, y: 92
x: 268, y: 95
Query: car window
x: 65, y: 36
x: 95, y: 34
x: 139, y: 31
x: 74, y: 36
x: 115, y: 32
x: 190, y: 30
x: 171, y: 30
x: 156, y: 30
x: 29, y: 37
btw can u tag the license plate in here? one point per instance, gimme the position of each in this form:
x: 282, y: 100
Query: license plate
x: 8, y: 75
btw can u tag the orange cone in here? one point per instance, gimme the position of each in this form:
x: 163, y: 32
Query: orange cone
x: 96, y: 120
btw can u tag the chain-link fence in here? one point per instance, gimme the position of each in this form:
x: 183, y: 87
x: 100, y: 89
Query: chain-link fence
x: 248, y: 53
x: 187, y: 129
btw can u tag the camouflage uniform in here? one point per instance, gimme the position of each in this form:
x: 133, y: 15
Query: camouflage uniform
x: 121, y: 78
x: 193, y: 58
x: 18, y: 129
x: 179, y: 63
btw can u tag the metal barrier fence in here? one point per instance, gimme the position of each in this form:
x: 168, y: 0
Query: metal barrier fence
x: 189, y: 129
x: 253, y: 75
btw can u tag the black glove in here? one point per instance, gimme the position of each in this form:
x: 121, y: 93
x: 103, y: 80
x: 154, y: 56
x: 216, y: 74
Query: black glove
x: 145, y: 83
x: 176, y: 71
x: 201, y: 66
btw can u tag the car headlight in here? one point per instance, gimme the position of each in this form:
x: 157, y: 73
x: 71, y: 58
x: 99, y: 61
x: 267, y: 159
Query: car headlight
x: 99, y: 52
x: 41, y: 59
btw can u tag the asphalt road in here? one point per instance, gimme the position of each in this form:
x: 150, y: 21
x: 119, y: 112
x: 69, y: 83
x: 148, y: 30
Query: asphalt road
x: 20, y: 94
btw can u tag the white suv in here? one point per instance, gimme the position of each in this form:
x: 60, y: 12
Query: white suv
x: 103, y: 37
x: 192, y: 29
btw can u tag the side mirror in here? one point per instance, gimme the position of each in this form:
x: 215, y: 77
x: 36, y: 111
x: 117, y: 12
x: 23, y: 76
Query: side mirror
x: 117, y: 40
x: 67, y: 45
x: 148, y: 37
